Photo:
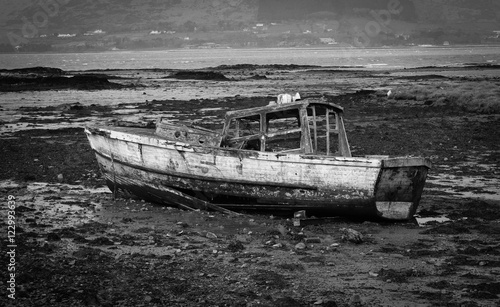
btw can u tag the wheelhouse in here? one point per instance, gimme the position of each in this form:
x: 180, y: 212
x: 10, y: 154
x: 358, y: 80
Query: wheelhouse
x: 315, y: 128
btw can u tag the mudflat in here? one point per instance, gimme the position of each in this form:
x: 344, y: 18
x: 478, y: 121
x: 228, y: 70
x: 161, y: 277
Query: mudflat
x: 78, y: 244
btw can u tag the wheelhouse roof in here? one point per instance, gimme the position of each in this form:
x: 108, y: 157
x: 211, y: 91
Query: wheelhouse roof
x: 282, y: 107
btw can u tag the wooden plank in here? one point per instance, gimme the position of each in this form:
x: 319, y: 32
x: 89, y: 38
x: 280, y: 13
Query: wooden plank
x: 263, y: 130
x: 315, y: 127
x: 306, y: 143
x: 188, y: 134
x: 331, y: 131
x: 283, y: 133
x: 343, y: 142
x: 191, y: 202
x: 281, y: 107
x: 245, y: 138
x: 114, y: 173
x: 406, y: 161
x: 327, y: 132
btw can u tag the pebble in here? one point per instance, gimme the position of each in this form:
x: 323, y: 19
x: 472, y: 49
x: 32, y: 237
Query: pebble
x: 300, y: 246
x: 282, y: 230
x: 182, y: 224
x: 211, y: 235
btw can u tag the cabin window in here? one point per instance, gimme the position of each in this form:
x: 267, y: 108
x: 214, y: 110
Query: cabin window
x: 244, y: 133
x: 233, y: 130
x: 250, y: 130
x: 324, y: 130
x: 274, y: 132
x: 283, y: 131
x: 249, y: 127
x: 311, y: 129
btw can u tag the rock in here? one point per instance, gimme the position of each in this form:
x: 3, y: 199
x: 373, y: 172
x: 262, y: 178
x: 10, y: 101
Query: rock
x: 372, y: 274
x: 183, y: 224
x: 351, y: 235
x: 282, y: 230
x: 211, y: 235
x: 300, y: 246
x: 235, y: 246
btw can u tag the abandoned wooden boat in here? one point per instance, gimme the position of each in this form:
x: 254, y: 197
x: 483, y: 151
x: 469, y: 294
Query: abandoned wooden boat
x: 292, y: 156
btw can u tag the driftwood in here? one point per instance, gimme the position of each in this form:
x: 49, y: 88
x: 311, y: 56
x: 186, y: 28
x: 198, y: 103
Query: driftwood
x: 189, y: 202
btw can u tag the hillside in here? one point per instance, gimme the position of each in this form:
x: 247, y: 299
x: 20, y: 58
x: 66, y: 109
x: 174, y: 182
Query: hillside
x: 130, y: 24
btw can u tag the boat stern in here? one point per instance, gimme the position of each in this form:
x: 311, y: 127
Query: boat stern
x: 399, y: 187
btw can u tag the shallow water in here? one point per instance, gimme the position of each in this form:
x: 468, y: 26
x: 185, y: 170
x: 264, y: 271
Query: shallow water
x: 374, y: 58
x: 57, y: 205
x: 480, y: 187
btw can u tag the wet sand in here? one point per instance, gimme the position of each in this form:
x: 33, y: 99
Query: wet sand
x: 78, y: 245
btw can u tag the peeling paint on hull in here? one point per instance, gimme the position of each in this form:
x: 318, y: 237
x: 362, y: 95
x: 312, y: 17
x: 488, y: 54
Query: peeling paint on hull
x: 133, y: 159
x: 151, y: 185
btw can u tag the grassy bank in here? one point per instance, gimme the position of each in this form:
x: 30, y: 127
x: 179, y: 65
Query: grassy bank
x: 479, y: 97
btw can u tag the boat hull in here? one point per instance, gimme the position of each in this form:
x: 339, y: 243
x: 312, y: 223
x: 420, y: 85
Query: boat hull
x: 154, y: 168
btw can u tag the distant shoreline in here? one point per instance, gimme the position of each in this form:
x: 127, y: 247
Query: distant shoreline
x: 189, y: 59
x: 318, y: 47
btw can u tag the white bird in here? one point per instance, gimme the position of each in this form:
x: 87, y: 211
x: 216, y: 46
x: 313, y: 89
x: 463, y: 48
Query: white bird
x: 389, y: 93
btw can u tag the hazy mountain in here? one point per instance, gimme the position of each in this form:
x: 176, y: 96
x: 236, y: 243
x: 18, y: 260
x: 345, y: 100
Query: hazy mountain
x: 438, y: 12
x: 117, y: 15
x: 127, y: 19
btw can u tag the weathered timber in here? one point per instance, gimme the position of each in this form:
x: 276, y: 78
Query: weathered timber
x: 264, y: 158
